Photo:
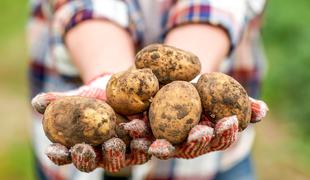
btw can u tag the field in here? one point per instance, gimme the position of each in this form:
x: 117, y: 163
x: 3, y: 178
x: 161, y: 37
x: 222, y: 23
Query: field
x: 282, y: 148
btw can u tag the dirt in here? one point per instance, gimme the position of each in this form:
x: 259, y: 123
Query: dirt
x: 273, y: 153
x: 15, y: 117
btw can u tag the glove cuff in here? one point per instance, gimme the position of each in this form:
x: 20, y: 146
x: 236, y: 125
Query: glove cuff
x: 106, y: 75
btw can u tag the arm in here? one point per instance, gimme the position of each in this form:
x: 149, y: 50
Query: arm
x: 210, y: 29
x: 209, y: 43
x: 93, y: 33
x: 98, y: 46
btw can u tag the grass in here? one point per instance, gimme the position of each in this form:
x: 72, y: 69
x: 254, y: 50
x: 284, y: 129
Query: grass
x: 282, y: 149
x: 287, y: 40
x: 15, y: 154
x: 286, y: 88
x: 13, y: 18
x: 16, y: 162
x: 15, y: 151
x: 275, y: 154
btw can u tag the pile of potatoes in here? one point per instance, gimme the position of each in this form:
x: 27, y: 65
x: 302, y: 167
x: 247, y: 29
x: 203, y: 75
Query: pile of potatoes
x: 159, y: 84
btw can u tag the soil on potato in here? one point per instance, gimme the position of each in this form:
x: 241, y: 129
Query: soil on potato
x: 73, y: 120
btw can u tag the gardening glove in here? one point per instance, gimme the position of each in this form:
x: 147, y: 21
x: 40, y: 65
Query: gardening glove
x: 112, y: 155
x: 206, y: 136
x: 138, y: 129
x: 94, y: 89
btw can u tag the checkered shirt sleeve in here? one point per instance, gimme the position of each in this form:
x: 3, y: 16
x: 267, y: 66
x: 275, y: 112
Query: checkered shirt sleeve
x: 230, y: 15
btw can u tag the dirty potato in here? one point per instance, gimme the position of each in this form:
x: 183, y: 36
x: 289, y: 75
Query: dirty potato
x: 223, y: 96
x: 130, y: 92
x: 72, y: 120
x: 168, y: 63
x: 175, y: 109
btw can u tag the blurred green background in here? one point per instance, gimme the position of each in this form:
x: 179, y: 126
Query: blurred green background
x: 282, y: 147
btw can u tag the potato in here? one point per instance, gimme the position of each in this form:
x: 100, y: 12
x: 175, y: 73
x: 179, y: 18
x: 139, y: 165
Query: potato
x: 168, y: 63
x: 72, y: 120
x: 130, y: 92
x: 223, y: 96
x: 175, y: 109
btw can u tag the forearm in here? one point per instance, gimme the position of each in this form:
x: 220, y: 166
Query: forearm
x: 209, y: 43
x: 98, y: 46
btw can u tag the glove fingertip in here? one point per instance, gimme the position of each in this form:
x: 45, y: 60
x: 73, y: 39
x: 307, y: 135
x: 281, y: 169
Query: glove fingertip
x: 58, y: 154
x: 227, y: 123
x: 140, y: 144
x: 84, y: 157
x: 226, y: 132
x: 162, y: 149
x: 198, y: 132
x: 136, y: 128
x: 259, y: 110
x: 39, y: 103
x: 139, y: 151
x: 114, y: 154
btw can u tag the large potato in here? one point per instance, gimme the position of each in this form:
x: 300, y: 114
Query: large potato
x: 175, y: 109
x: 168, y: 63
x: 223, y: 96
x: 72, y: 120
x: 130, y: 92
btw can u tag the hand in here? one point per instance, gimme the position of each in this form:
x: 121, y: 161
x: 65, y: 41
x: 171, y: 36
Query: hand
x: 112, y: 154
x: 207, y: 137
x: 95, y: 89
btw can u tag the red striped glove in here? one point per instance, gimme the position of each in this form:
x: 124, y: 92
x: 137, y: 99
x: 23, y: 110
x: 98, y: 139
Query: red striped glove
x: 94, y: 89
x: 206, y: 137
x: 111, y: 155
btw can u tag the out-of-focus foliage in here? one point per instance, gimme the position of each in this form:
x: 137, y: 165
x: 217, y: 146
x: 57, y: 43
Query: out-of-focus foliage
x: 13, y: 16
x: 15, y: 148
x: 287, y: 41
x: 286, y: 37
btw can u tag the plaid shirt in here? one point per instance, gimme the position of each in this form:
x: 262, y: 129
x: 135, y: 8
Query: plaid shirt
x: 51, y: 68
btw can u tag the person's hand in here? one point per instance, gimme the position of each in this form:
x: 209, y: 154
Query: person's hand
x: 207, y: 137
x: 94, y: 89
x: 203, y: 138
x: 112, y: 155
